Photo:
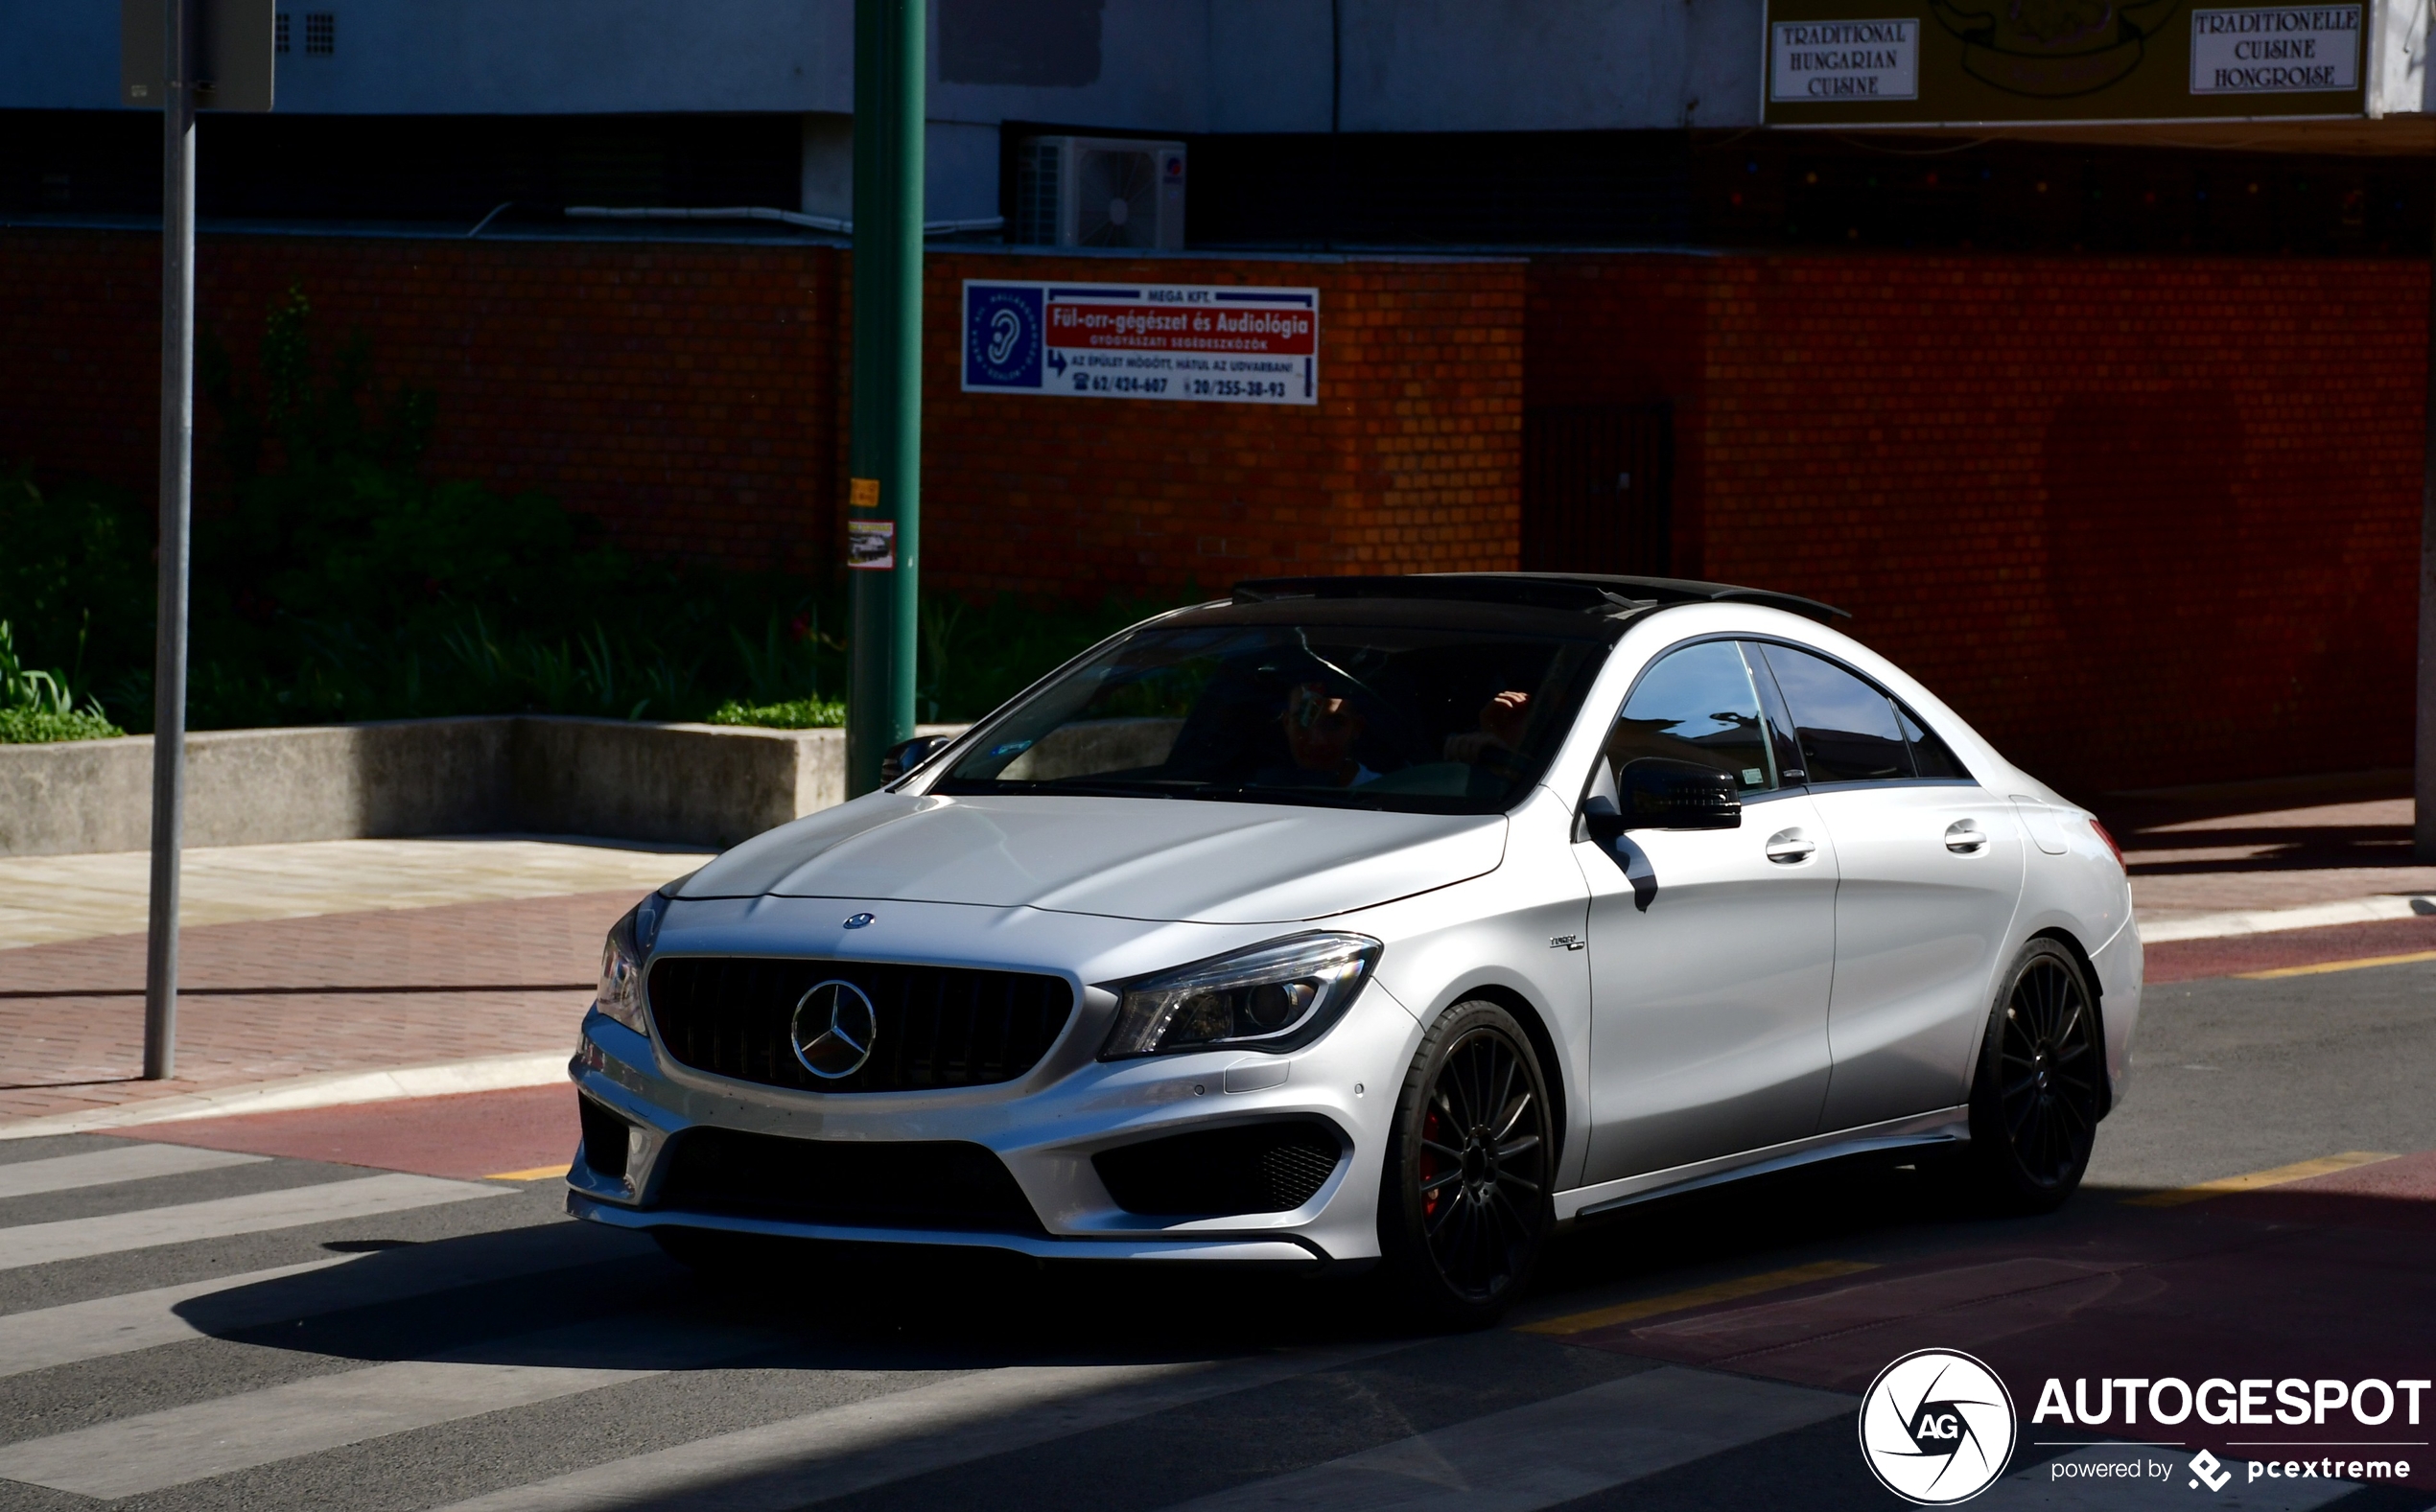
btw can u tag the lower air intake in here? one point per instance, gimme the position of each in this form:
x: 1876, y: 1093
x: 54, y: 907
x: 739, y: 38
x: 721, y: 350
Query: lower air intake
x: 931, y: 1184
x: 1217, y: 1173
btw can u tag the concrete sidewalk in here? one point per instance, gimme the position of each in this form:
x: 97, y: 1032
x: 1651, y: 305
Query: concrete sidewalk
x: 2281, y: 876
x: 339, y: 957
x: 2208, y: 854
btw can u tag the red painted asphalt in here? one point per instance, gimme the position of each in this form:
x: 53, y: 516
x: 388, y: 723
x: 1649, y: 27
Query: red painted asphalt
x: 2326, y: 1278
x: 471, y: 1135
x: 2189, y: 960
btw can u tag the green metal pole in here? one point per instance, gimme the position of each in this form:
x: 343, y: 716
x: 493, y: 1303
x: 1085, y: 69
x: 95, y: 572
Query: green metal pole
x: 885, y: 460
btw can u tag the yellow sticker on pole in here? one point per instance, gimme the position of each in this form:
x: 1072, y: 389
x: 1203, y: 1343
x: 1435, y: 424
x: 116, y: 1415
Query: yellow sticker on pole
x: 863, y: 493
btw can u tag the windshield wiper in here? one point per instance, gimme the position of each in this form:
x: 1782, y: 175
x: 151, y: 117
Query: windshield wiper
x: 1287, y: 793
x: 1104, y: 787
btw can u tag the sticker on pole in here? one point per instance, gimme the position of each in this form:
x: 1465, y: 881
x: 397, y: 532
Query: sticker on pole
x: 871, y: 544
x: 1205, y: 344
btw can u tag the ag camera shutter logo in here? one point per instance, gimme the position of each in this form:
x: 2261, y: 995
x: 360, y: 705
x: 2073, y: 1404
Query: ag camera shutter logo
x: 1936, y: 1427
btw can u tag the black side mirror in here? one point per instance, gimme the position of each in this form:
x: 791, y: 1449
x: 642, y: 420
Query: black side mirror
x: 1661, y: 794
x: 907, y: 754
x: 1600, y: 819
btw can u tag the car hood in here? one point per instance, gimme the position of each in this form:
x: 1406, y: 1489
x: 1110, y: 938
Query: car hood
x: 1130, y: 858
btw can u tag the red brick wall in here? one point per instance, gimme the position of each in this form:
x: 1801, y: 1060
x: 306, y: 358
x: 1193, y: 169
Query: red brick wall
x: 686, y: 395
x: 693, y: 398
x: 1410, y: 462
x: 2145, y: 521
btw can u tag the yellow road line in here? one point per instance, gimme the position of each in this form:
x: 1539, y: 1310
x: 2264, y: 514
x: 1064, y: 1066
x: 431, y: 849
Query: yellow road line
x: 2298, y: 1171
x: 2324, y: 966
x: 1696, y: 1296
x: 536, y: 1173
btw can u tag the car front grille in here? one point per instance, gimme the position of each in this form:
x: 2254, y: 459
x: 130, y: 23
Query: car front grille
x: 926, y: 1184
x: 1251, y: 1167
x: 937, y: 1026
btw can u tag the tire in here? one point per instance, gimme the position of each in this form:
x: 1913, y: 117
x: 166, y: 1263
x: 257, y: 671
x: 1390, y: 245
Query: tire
x: 2040, y: 1085
x: 1464, y: 1206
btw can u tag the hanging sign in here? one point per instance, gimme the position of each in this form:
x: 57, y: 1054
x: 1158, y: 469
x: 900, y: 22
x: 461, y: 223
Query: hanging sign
x: 1220, y: 343
x: 2027, y: 62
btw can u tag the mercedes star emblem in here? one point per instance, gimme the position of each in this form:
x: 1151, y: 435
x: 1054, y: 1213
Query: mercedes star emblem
x: 833, y: 1029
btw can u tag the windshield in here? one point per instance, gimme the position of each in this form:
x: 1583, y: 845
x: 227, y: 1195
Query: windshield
x: 1423, y: 719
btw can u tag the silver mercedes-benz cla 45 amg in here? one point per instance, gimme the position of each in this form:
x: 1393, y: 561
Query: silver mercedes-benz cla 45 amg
x: 1401, y: 920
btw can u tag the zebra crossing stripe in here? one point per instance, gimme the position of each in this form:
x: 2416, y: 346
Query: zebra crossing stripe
x: 102, y: 1167
x: 118, y: 1325
x: 41, y: 1337
x: 291, y: 1207
x: 1549, y: 1452
x: 154, y: 1451
x: 885, y: 1439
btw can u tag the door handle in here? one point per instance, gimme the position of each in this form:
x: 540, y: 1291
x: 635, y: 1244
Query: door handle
x: 1790, y: 847
x: 1964, y: 837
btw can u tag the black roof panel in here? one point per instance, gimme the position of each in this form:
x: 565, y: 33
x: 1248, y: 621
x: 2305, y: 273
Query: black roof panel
x: 1587, y: 593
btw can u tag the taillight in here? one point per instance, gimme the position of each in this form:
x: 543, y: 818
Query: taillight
x: 2110, y: 844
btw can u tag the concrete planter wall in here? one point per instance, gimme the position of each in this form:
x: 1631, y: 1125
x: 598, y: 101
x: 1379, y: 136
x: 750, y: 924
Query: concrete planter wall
x: 701, y: 785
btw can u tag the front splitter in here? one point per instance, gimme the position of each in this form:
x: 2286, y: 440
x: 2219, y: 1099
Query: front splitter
x: 1283, y: 1252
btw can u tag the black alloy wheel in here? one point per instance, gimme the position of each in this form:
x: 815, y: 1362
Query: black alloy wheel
x: 2041, y: 1087
x: 1465, y: 1210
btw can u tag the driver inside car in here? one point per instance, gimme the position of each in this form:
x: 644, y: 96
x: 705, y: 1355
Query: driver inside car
x: 1322, y: 728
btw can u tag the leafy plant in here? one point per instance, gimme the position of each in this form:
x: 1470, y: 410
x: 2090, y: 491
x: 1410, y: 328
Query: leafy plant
x: 801, y: 713
x: 36, y: 706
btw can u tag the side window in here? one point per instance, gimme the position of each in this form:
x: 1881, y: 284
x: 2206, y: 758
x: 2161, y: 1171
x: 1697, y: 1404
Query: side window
x: 1847, y: 727
x: 1930, y: 756
x: 1697, y: 704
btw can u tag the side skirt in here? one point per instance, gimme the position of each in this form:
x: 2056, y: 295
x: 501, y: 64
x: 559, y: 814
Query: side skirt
x: 1946, y: 1125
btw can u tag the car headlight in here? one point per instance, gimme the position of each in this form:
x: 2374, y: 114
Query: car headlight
x: 1278, y: 996
x: 619, y: 993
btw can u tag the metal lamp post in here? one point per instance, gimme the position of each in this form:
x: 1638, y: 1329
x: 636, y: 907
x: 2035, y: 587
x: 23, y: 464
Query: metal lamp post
x: 883, y: 521
x: 175, y: 56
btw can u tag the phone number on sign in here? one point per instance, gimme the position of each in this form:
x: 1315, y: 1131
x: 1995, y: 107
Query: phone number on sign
x: 1195, y: 387
x: 1236, y: 388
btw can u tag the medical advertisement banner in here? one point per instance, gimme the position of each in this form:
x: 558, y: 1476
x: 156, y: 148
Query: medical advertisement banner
x: 1219, y: 343
x: 1995, y: 63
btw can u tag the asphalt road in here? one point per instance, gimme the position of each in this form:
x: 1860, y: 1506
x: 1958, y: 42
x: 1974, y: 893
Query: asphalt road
x: 182, y: 1327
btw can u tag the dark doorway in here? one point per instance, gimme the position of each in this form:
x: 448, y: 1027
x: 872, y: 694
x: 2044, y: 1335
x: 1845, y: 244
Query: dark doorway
x: 1598, y: 489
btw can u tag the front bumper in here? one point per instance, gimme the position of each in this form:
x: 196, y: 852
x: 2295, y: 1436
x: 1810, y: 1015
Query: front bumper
x: 1043, y: 1126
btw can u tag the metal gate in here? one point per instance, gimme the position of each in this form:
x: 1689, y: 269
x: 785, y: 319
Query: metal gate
x: 1598, y: 489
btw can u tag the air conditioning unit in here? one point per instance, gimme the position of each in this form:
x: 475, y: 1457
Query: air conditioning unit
x: 1100, y: 190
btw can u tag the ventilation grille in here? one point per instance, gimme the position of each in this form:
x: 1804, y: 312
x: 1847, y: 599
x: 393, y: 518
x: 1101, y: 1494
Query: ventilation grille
x: 924, y: 1184
x: 1035, y: 193
x: 1116, y: 198
x: 279, y: 34
x: 937, y: 1026
x: 321, y: 33
x: 1252, y: 1168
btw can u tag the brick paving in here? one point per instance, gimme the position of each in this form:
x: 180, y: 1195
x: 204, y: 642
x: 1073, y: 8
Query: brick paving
x: 468, y: 1136
x: 2189, y: 960
x: 277, y: 998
